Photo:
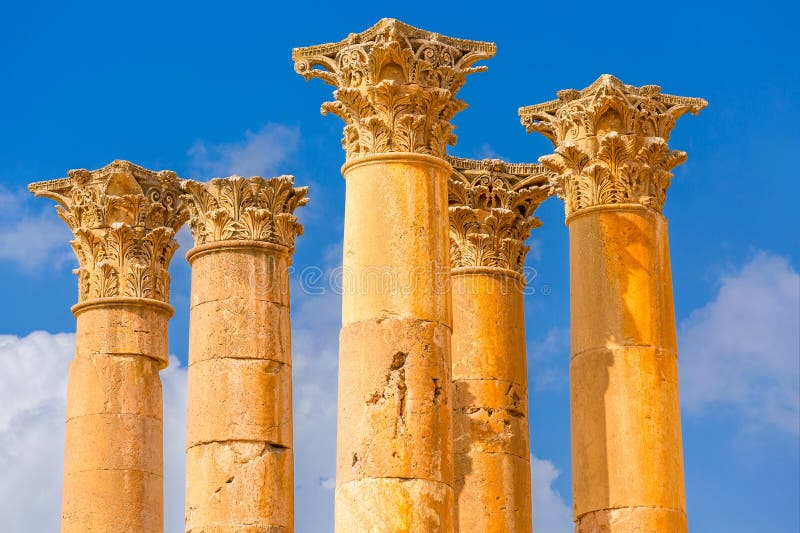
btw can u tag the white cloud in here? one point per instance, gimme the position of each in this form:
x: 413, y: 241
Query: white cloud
x: 741, y: 351
x: 551, y: 514
x: 260, y: 153
x: 33, y: 394
x: 174, y: 379
x: 487, y: 151
x: 32, y: 389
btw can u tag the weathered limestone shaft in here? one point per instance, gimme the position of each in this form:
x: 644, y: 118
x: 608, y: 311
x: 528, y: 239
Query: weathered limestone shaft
x: 491, y: 215
x: 396, y: 90
x: 612, y: 166
x: 124, y: 219
x: 239, y: 464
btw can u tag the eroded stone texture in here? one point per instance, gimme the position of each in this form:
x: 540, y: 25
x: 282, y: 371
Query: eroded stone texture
x: 239, y: 464
x: 491, y: 215
x: 612, y: 168
x: 395, y: 90
x: 124, y: 219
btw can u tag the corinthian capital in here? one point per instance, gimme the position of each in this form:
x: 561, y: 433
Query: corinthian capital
x: 237, y: 208
x: 124, y: 218
x: 395, y: 86
x: 610, y: 142
x: 491, y: 211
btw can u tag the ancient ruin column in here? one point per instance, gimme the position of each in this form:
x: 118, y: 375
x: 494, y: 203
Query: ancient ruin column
x: 124, y: 220
x: 396, y: 89
x: 239, y: 460
x: 612, y: 168
x: 491, y: 215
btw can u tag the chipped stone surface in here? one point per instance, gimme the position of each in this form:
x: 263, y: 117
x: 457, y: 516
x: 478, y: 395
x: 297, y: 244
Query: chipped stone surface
x: 490, y: 408
x: 239, y: 483
x: 395, y: 418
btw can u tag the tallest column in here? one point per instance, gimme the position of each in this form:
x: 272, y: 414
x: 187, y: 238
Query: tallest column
x: 612, y: 168
x: 395, y: 90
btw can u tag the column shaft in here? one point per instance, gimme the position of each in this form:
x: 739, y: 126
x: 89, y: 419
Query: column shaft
x: 626, y: 436
x: 394, y: 450
x: 239, y: 465
x: 113, y: 465
x: 490, y: 403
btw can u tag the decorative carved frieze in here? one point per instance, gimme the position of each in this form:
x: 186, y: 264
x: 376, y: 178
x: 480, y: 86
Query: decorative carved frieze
x: 395, y: 86
x: 237, y: 208
x: 610, y: 142
x: 491, y: 211
x: 124, y: 219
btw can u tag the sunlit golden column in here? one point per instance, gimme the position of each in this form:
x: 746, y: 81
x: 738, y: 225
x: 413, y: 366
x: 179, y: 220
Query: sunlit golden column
x: 395, y: 90
x: 239, y: 459
x: 491, y: 215
x: 612, y: 167
x: 124, y: 220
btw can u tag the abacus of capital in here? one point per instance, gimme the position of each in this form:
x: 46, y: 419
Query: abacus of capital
x: 433, y: 429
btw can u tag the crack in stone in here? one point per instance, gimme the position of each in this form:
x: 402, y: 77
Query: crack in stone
x: 394, y: 385
x: 437, y: 392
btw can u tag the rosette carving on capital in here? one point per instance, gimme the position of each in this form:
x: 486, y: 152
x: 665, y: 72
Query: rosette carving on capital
x: 237, y: 208
x: 395, y: 86
x: 492, y: 207
x: 123, y: 218
x: 610, y: 142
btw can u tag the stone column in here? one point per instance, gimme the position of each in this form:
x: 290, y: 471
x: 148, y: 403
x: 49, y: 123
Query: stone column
x: 395, y: 90
x: 491, y: 215
x: 612, y: 167
x: 124, y: 220
x: 239, y: 460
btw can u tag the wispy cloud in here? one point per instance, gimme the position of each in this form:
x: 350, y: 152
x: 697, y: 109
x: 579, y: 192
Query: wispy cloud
x: 741, y: 351
x: 31, y: 236
x: 549, y: 360
x: 260, y: 153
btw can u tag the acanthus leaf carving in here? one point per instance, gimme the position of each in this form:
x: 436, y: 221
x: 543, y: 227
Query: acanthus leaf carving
x: 395, y: 86
x: 124, y: 219
x: 237, y: 208
x: 492, y: 207
x: 610, y: 142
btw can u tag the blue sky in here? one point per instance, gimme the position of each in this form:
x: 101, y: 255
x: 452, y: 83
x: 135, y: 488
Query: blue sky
x: 209, y: 90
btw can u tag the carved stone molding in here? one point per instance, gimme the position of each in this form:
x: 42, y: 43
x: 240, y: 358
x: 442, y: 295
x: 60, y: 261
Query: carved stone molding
x: 610, y: 142
x: 395, y: 86
x: 237, y: 208
x: 491, y: 211
x: 124, y: 219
